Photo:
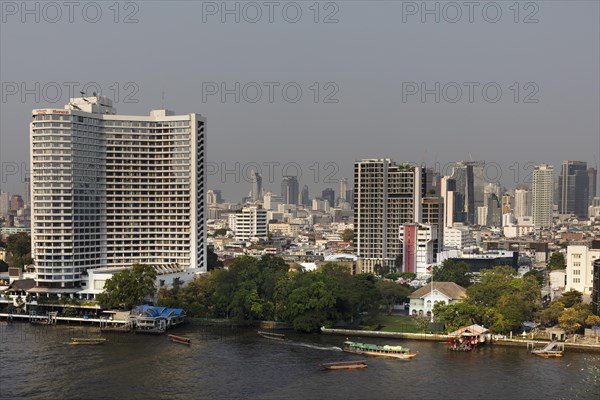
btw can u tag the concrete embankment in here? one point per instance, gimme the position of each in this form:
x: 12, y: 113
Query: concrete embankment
x: 580, y: 347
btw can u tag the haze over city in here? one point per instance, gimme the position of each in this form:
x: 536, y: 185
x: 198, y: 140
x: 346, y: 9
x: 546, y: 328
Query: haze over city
x: 170, y: 53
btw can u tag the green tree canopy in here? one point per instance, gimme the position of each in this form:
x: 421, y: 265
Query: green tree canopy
x: 557, y: 261
x: 19, y: 250
x: 453, y: 271
x: 129, y: 287
x: 348, y: 235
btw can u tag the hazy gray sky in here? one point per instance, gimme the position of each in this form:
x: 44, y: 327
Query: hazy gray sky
x: 367, y: 61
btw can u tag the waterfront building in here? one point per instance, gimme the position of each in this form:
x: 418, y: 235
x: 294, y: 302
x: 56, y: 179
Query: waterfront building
x: 542, y: 195
x: 111, y: 190
x: 573, y: 184
x: 249, y: 224
x: 424, y: 299
x: 580, y: 266
x: 387, y: 196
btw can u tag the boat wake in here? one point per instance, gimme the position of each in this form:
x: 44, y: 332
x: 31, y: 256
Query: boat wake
x: 314, y: 346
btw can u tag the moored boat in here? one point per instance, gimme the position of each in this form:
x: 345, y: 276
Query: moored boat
x: 87, y: 341
x: 552, y: 349
x: 380, y: 351
x: 345, y: 365
x: 548, y: 353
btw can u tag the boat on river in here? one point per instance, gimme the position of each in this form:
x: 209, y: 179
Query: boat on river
x: 345, y: 365
x: 180, y: 339
x: 380, y: 351
x: 271, y: 335
x: 87, y: 341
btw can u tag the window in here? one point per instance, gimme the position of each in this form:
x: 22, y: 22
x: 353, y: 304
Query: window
x: 576, y: 272
x: 576, y: 255
x: 577, y: 264
x: 576, y: 280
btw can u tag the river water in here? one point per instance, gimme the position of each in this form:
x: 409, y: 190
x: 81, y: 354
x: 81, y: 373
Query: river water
x: 226, y: 363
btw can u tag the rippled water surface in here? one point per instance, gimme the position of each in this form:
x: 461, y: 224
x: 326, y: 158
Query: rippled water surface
x: 221, y: 363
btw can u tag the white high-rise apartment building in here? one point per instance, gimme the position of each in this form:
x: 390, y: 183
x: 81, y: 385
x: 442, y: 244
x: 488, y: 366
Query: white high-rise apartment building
x: 4, y: 204
x: 523, y: 203
x: 542, y: 197
x: 111, y: 190
x: 249, y: 224
x: 386, y: 196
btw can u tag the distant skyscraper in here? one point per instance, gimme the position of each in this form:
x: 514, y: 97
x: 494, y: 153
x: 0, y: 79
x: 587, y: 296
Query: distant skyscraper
x: 387, y: 196
x: 592, y: 183
x: 256, y: 182
x: 494, y: 211
x: 463, y: 174
x: 4, y: 204
x: 305, y: 196
x: 522, y: 203
x: 329, y: 195
x: 542, y: 195
x: 113, y: 190
x: 16, y: 202
x: 343, y: 189
x: 289, y: 189
x: 573, y: 188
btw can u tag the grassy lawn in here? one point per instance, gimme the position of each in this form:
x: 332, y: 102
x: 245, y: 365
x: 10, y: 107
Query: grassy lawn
x: 392, y: 323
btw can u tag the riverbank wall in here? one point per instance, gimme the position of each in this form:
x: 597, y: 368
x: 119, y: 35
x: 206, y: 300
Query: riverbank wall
x: 580, y: 347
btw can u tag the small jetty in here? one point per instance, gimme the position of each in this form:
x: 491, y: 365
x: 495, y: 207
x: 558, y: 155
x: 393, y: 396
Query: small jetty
x: 552, y: 349
x: 180, y: 339
x: 87, y: 341
x: 271, y: 335
x: 467, y: 338
x: 345, y: 365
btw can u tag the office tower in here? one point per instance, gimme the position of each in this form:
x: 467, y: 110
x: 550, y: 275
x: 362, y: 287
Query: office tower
x: 305, y: 197
x: 432, y: 210
x: 4, y: 204
x: 507, y: 203
x: 329, y: 195
x: 114, y: 190
x: 573, y: 188
x: 542, y: 195
x: 211, y: 198
x: 350, y: 197
x: 463, y: 175
x: 522, y: 203
x: 289, y: 189
x: 592, y: 183
x: 432, y: 182
x: 387, y: 196
x: 343, y: 190
x: 447, y: 190
x: 256, y: 186
x: 494, y: 211
x: 249, y: 224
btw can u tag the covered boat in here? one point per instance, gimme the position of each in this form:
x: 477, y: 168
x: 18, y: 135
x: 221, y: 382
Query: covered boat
x: 381, y: 351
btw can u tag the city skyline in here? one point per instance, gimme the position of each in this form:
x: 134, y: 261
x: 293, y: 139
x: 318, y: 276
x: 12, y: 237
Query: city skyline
x: 559, y: 53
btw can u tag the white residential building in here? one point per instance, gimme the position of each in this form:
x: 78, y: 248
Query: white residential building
x: 458, y: 237
x: 523, y: 203
x: 249, y: 224
x: 580, y: 267
x: 424, y: 299
x: 112, y: 190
